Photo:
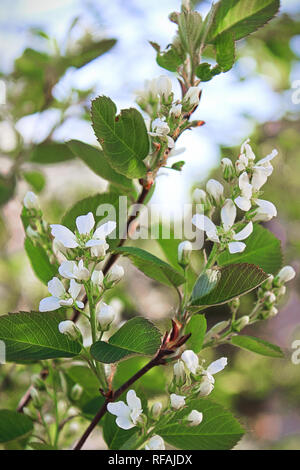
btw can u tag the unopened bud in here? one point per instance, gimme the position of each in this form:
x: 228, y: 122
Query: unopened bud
x: 206, y: 387
x: 286, y: 274
x: 192, y: 97
x: 105, y: 316
x: 270, y: 297
x: 179, y: 373
x: 216, y: 329
x: 38, y: 382
x: 273, y: 312
x: 164, y: 87
x: 31, y: 201
x: 268, y: 284
x: 76, y: 392
x: 215, y: 190
x: 241, y: 323
x: 281, y: 291
x: 156, y: 409
x: 36, y: 399
x: 176, y: 110
x: 184, y: 253
x: 69, y: 328
x: 114, y: 276
x: 228, y: 169
x: 195, y: 418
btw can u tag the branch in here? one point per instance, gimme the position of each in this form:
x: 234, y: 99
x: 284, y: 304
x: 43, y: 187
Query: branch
x: 26, y: 398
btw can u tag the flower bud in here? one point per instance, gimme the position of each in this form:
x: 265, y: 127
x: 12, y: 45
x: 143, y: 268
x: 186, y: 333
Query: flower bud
x: 30, y: 413
x: 176, y: 110
x: 270, y: 297
x: 179, y: 373
x: 69, y: 328
x: 206, y: 387
x: 164, y: 87
x: 215, y: 190
x: 114, y: 276
x: 186, y: 4
x: 268, y: 284
x: 228, y: 169
x: 97, y: 278
x: 155, y: 443
x: 195, y: 418
x: 216, y: 329
x: 31, y: 201
x: 184, y: 253
x: 177, y: 401
x: 36, y: 399
x: 199, y: 196
x: 192, y: 97
x: 273, y: 312
x: 286, y: 274
x: 156, y: 409
x: 76, y: 392
x: 105, y: 316
x: 281, y: 291
x: 38, y: 382
x: 241, y: 323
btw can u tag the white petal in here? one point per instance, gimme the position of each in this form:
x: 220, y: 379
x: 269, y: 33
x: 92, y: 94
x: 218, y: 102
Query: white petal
x: 245, y: 186
x: 259, y: 178
x: 236, y: 247
x: 93, y: 242
x: 213, y: 236
x: 171, y: 143
x: 133, y: 401
x: 79, y: 304
x: 266, y: 210
x: 243, y: 203
x: 85, y: 223
x: 244, y: 233
x: 124, y: 423
x: 118, y: 409
x: 228, y: 214
x: 217, y: 366
x: 191, y: 360
x: 49, y: 304
x: 74, y: 289
x: 202, y: 222
x: 64, y: 235
x: 104, y: 230
x: 268, y: 158
x: 66, y: 303
x: 56, y: 287
x: 66, y: 269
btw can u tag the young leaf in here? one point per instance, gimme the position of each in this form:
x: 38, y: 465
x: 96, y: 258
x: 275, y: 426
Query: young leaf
x: 225, y: 51
x: 169, y: 59
x: 34, y: 336
x: 152, y: 266
x: 241, y: 17
x: 219, y: 285
x: 219, y: 430
x: 51, y: 152
x: 263, y: 249
x: 39, y: 261
x: 137, y: 336
x: 88, y: 53
x: 197, y: 326
x: 96, y: 160
x: 36, y: 179
x: 91, y: 204
x: 257, y: 345
x: 189, y: 29
x: 123, y: 138
x: 14, y: 426
x: 115, y: 437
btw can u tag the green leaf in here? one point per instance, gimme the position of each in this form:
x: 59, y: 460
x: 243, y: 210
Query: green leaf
x: 219, y: 430
x: 219, y: 285
x: 14, y: 426
x: 40, y: 446
x: 39, y: 261
x: 137, y: 336
x: 88, y: 53
x: 197, y: 326
x: 241, y: 17
x: 225, y: 51
x: 169, y: 59
x: 51, y: 152
x: 91, y: 204
x: 257, y: 345
x: 123, y: 138
x: 154, y: 381
x: 206, y: 72
x: 190, y: 29
x: 96, y: 160
x: 7, y: 189
x: 152, y: 266
x: 34, y: 336
x: 36, y: 179
x: 263, y: 249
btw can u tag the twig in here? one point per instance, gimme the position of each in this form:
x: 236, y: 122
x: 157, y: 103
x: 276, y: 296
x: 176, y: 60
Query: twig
x: 27, y: 396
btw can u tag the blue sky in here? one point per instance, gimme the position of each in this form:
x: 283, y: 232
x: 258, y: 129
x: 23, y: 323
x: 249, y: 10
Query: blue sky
x: 226, y: 101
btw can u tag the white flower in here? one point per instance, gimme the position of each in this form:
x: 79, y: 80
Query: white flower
x: 215, y: 190
x: 72, y: 270
x: 228, y: 215
x: 156, y: 409
x: 244, y: 200
x: 191, y: 360
x: 217, y: 366
x: 161, y: 129
x: 206, y: 387
x: 69, y: 328
x: 286, y: 274
x: 31, y: 201
x: 105, y: 315
x: 85, y: 238
x: 59, y: 296
x: 207, y: 383
x: 179, y: 373
x: 97, y: 278
x: 265, y: 211
x: 241, y: 163
x: 177, y: 401
x: 247, y: 150
x: 155, y: 443
x: 164, y: 86
x: 199, y: 196
x: 176, y: 110
x: 192, y: 96
x: 127, y: 415
x: 149, y: 91
x: 184, y: 252
x: 195, y: 418
x: 114, y: 275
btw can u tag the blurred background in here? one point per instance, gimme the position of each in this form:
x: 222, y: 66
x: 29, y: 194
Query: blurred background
x: 56, y: 56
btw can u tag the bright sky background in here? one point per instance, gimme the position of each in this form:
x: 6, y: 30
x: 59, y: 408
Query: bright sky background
x: 225, y: 101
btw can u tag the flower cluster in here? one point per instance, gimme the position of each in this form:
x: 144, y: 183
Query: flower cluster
x: 246, y: 179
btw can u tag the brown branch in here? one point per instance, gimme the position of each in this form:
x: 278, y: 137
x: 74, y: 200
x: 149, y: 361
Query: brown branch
x: 157, y: 360
x: 26, y: 398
